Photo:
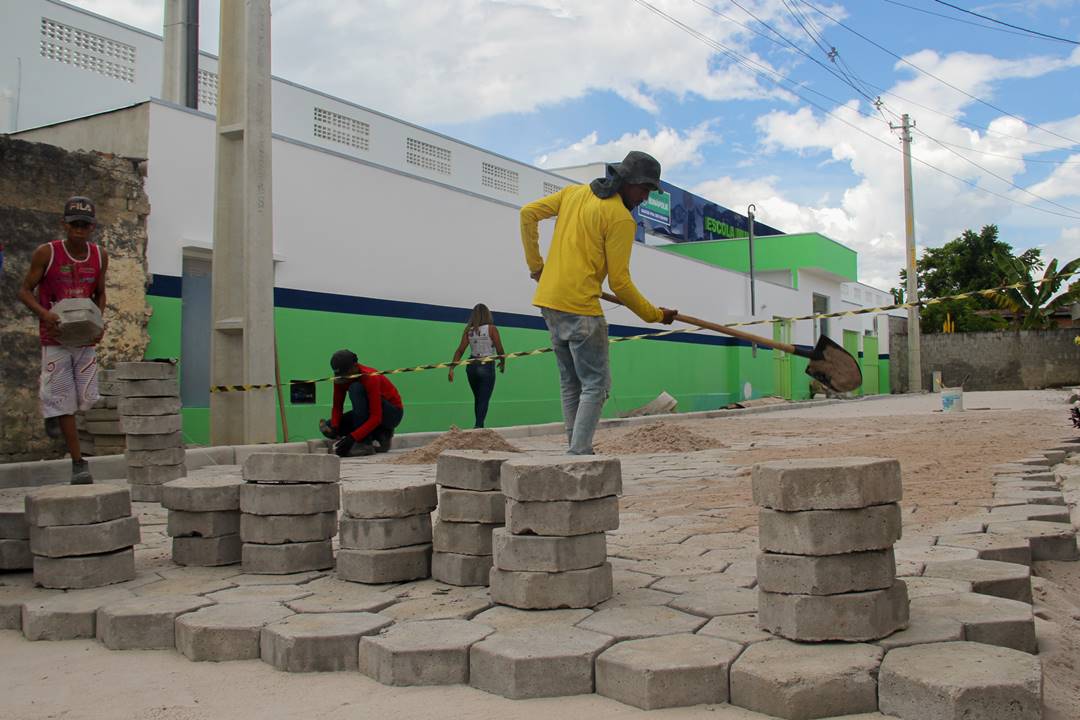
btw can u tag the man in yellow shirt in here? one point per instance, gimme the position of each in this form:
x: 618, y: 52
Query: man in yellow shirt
x: 594, y: 234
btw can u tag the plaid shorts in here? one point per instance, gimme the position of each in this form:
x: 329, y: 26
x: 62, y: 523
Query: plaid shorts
x: 68, y: 379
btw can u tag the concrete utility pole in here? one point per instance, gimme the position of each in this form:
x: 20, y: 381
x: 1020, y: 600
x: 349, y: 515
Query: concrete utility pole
x: 242, y: 339
x: 750, y: 210
x: 180, y: 66
x: 913, y: 337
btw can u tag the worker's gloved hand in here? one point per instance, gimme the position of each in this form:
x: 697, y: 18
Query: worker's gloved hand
x: 669, y: 315
x: 344, y: 446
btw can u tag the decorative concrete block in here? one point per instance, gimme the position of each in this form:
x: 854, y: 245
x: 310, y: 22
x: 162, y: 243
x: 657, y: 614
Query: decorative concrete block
x: 288, y: 558
x: 155, y: 442
x: 66, y: 616
x: 13, y: 525
x: 508, y: 619
x: 986, y: 619
x: 849, y: 617
x: 148, y: 406
x: 426, y: 652
x: 149, y: 424
x: 536, y: 662
x: 13, y: 597
x: 384, y: 533
x: 149, y: 388
x: 461, y: 570
x: 462, y: 538
x: 1003, y: 548
x: 278, y: 529
x: 212, y: 523
x: 385, y: 566
x: 391, y: 497
x: 155, y: 475
x: 471, y: 469
x: 1048, y: 540
x: 948, y: 681
x: 829, y: 532
x: 144, y: 458
x: 632, y: 623
x: 926, y: 586
x: 539, y: 478
x: 292, y: 468
x: 145, y: 493
x: 562, y: 518
x: 742, y: 629
x: 826, y: 484
x: 923, y: 628
x: 60, y: 541
x: 226, y: 632
x: 207, y: 551
x: 15, y: 555
x: 550, y: 591
x: 826, y: 574
x: 322, y: 642
x: 144, y: 370
x: 76, y: 504
x: 278, y: 592
x: 85, y: 571
x: 144, y: 623
x: 796, y: 682
x: 668, y: 671
x: 717, y: 602
x: 471, y: 506
x: 1031, y: 497
x: 538, y: 553
x: 300, y: 499
x: 423, y: 601
x: 988, y: 577
x: 1018, y: 513
x: 331, y: 595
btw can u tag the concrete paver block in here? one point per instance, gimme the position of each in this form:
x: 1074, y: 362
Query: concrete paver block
x: 461, y: 570
x: 935, y: 553
x: 91, y: 539
x: 129, y: 406
x: 632, y: 623
x: 212, y: 523
x: 508, y: 619
x: 292, y: 468
x: 385, y: 566
x: 145, y: 493
x: 1048, y: 540
x: 13, y: 525
x: 207, y: 551
x: 462, y: 538
x: 144, y: 622
x: 444, y: 604
x: 669, y: 671
x: 424, y: 652
x: 298, y: 499
x: 923, y: 628
x: 1017, y: 513
x: 194, y: 584
x: 1005, y: 487
x: 278, y: 529
x: 144, y: 370
x: 949, y: 681
x: 145, y: 458
x: 536, y: 662
x: 1032, y: 497
x: 203, y: 492
x: 925, y: 586
x: 15, y: 555
x: 1003, y: 548
x: 12, y: 599
x: 858, y: 616
x: 797, y: 682
x: 67, y: 616
x: 826, y: 484
x: 829, y: 532
x: 714, y: 603
x: 85, y: 571
x: 826, y: 574
x: 226, y: 632
x: 323, y: 642
x: 551, y: 591
x: 149, y: 388
x: 571, y: 517
x: 986, y: 619
x: 287, y: 558
x: 539, y: 553
x: 457, y: 505
x: 150, y: 424
x: 539, y: 478
x: 390, y: 497
x: 988, y: 577
x: 259, y: 593
x: 742, y: 629
x: 155, y: 442
x: 471, y: 469
x: 330, y: 594
x: 76, y: 504
x: 155, y: 475
x: 384, y: 533
x: 707, y: 582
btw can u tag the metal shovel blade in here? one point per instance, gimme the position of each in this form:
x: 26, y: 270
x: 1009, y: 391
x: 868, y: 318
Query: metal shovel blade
x: 834, y: 366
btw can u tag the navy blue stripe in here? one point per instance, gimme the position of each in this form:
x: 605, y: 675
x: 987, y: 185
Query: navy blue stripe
x: 164, y: 286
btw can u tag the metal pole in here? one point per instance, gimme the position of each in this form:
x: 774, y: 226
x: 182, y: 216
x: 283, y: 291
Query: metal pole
x: 914, y: 358
x: 750, y: 245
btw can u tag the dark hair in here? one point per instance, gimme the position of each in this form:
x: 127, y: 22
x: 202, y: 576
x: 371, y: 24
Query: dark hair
x: 480, y: 316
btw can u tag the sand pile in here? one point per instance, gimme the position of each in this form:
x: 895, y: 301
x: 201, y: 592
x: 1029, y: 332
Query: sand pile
x: 657, y: 437
x: 455, y: 439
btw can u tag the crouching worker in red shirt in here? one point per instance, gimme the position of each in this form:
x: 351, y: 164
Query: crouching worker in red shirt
x: 376, y: 408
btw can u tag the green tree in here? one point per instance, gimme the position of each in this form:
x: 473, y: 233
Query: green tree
x: 1035, y: 301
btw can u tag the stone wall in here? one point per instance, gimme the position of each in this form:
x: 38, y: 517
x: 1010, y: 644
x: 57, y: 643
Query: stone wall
x: 35, y: 180
x: 1010, y: 360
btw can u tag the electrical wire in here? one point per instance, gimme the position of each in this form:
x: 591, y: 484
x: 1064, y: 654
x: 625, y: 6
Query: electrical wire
x: 1006, y: 157
x: 956, y: 19
x: 1002, y: 22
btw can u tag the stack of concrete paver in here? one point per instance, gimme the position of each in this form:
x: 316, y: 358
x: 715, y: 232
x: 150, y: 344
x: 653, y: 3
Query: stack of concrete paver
x: 99, y: 427
x: 14, y: 532
x: 283, y: 527
x: 82, y: 536
x: 826, y: 531
x: 471, y: 507
x: 385, y: 531
x: 150, y: 417
x: 553, y: 551
x: 204, y: 516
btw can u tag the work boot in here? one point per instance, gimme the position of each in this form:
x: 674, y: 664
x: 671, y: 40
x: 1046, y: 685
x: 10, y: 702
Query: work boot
x: 362, y: 449
x: 52, y: 427
x: 327, y: 431
x: 80, y: 473
x: 384, y: 439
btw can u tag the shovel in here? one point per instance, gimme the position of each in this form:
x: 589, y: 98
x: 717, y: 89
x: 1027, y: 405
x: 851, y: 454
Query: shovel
x: 829, y: 363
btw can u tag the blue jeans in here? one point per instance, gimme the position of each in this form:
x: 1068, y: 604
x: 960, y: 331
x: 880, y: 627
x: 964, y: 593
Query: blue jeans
x: 391, y: 416
x: 581, y: 351
x: 482, y: 381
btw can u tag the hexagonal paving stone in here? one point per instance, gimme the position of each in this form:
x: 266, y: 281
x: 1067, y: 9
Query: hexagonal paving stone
x: 742, y: 629
x: 67, y: 616
x: 924, y: 628
x: 961, y: 680
x: 226, y: 632
x: 936, y: 553
x: 507, y: 619
x: 424, y: 652
x: 636, y: 597
x: 300, y: 578
x: 259, y: 593
x: 1049, y: 540
x: 12, y: 598
x: 444, y: 604
x: 923, y: 586
x: 992, y: 546
x: 336, y: 596
x: 1032, y: 497
x: 797, y: 681
x: 144, y: 623
x: 721, y: 601
x: 989, y: 577
x: 536, y: 662
x: 709, y: 582
x: 1044, y: 513
x: 668, y: 671
x: 986, y: 619
x: 631, y: 623
x: 322, y: 642
x: 183, y: 586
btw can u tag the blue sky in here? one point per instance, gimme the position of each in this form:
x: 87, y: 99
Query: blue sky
x: 566, y: 82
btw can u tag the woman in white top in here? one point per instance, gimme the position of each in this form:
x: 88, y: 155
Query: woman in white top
x: 482, y: 338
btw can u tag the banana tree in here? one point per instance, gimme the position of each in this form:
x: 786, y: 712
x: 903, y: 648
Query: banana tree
x: 1034, y: 302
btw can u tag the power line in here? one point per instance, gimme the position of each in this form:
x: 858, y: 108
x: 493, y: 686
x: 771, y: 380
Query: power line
x: 1002, y: 22
x: 956, y: 19
x: 1006, y: 157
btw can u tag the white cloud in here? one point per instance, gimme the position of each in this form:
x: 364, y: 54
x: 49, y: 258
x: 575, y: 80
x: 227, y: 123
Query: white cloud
x: 669, y: 146
x: 1063, y: 182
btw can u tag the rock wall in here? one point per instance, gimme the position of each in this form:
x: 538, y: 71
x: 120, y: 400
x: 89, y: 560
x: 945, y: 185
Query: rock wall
x: 35, y: 180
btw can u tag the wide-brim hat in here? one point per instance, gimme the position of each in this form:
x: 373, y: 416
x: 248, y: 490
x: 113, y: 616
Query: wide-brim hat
x: 638, y: 168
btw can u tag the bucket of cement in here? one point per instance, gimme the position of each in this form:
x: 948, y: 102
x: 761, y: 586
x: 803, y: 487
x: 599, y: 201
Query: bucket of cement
x: 952, y: 399
x: 80, y: 321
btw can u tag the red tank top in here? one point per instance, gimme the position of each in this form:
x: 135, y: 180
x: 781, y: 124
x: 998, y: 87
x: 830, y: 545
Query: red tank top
x: 67, y: 277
